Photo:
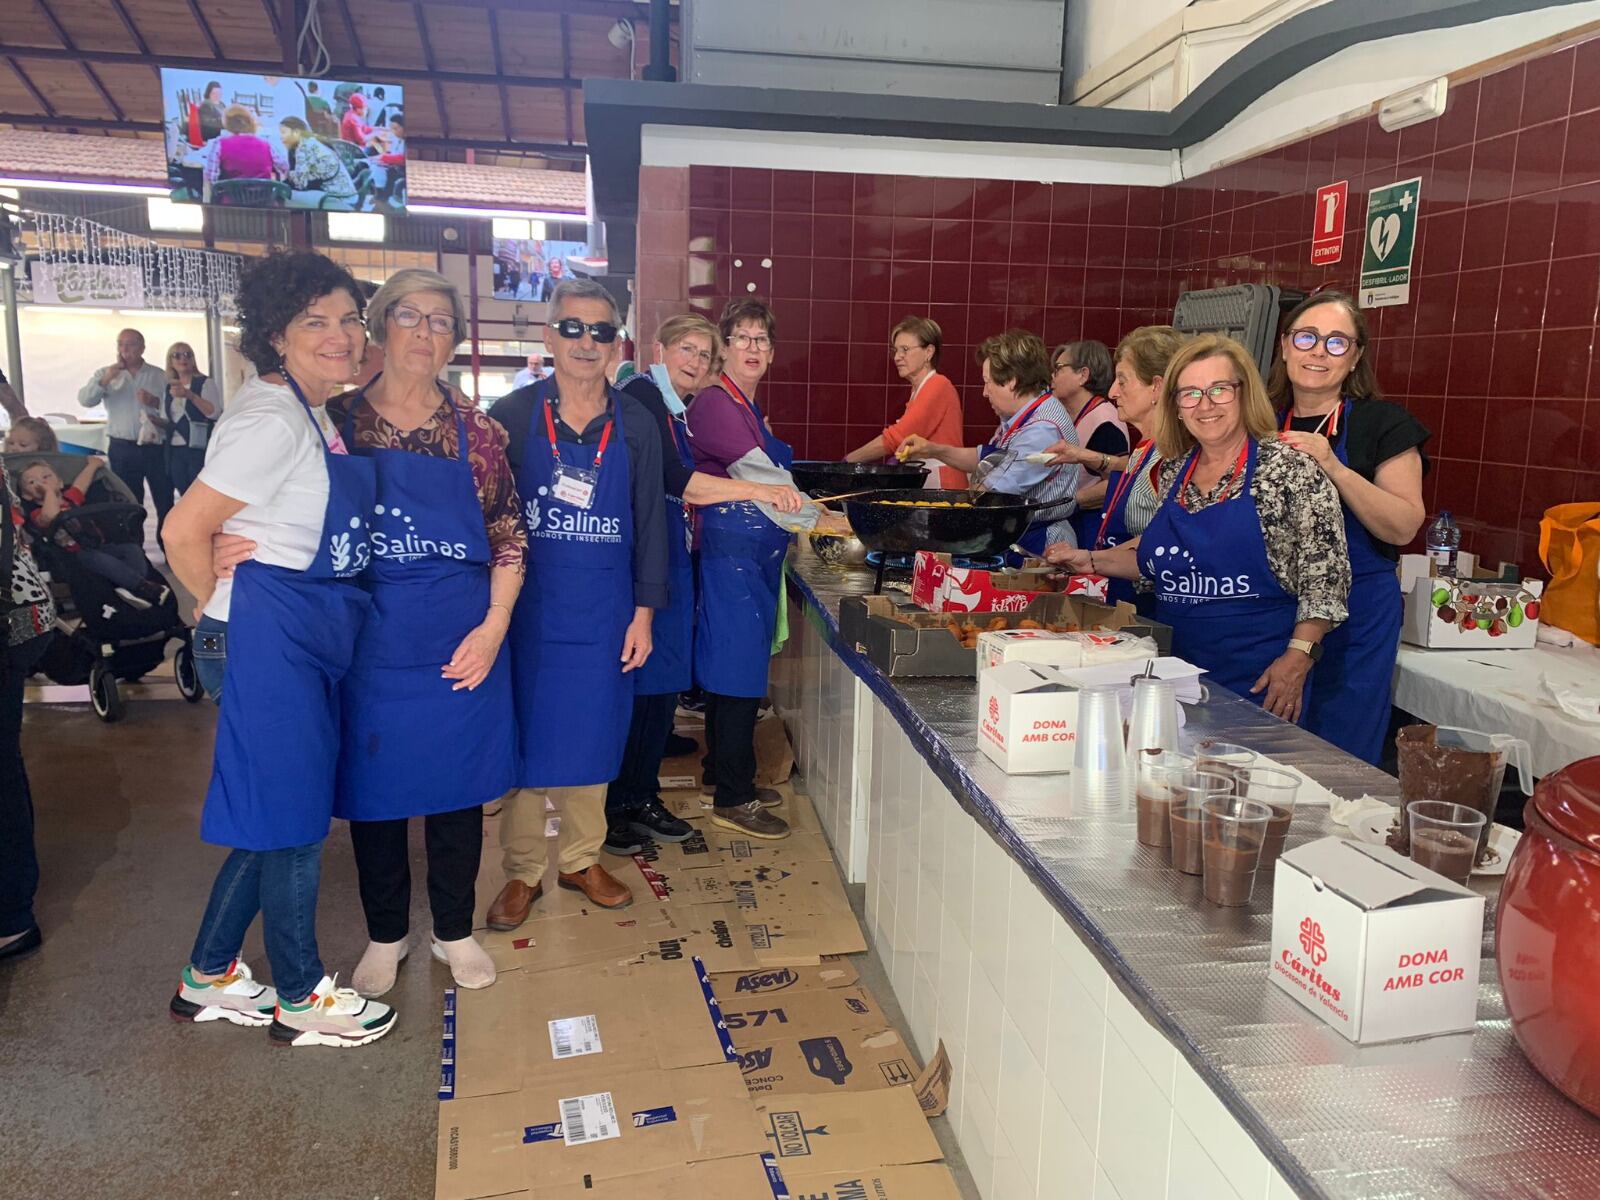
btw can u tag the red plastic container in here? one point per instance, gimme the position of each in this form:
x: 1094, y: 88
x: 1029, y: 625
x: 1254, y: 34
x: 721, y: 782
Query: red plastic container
x: 1547, y: 933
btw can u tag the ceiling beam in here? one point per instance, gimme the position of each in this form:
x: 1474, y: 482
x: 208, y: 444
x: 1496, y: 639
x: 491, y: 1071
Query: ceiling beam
x: 632, y: 10
x: 66, y: 40
x: 272, y: 16
x: 566, y: 71
x: 500, y: 69
x: 127, y: 23
x: 38, y: 96
x: 205, y: 28
x: 355, y: 38
x: 433, y: 71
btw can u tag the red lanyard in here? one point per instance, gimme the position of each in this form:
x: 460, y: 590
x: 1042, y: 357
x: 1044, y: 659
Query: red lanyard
x: 1183, y: 484
x: 1329, y: 422
x: 600, y: 452
x: 1093, y: 404
x: 1136, y: 462
x: 1022, y: 419
x: 734, y: 390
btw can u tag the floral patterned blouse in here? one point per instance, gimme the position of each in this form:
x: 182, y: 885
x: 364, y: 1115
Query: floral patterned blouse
x: 486, y: 451
x: 32, y: 610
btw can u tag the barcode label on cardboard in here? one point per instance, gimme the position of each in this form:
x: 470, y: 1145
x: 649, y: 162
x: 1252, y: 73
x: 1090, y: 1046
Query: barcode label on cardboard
x: 572, y: 1036
x: 674, y: 783
x: 591, y: 1118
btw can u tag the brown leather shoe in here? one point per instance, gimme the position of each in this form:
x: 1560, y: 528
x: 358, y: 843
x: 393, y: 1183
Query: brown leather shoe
x: 600, y: 885
x: 510, y: 907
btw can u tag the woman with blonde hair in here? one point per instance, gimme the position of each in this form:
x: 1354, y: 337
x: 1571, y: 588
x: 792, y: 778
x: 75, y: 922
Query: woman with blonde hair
x: 189, y: 410
x: 1247, y: 550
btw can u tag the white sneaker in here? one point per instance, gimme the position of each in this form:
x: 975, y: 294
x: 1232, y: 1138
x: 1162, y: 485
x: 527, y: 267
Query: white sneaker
x: 233, y: 997
x: 131, y: 600
x: 330, y: 1016
x: 375, y: 973
x: 470, y: 964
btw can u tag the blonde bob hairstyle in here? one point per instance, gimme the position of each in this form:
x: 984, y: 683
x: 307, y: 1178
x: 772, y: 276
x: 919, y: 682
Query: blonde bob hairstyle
x: 409, y: 282
x: 674, y: 329
x: 1173, y: 439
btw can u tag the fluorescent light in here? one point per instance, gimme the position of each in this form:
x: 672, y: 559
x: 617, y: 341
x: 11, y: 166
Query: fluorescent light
x: 72, y: 185
x: 450, y: 210
x: 515, y: 228
x: 356, y: 227
x: 1413, y: 106
x: 175, y: 218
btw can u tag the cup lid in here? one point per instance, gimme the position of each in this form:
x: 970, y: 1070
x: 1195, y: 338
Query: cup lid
x: 1569, y: 800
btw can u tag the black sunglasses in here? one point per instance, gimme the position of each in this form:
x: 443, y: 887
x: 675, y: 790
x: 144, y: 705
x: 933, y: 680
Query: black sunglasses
x: 603, y: 332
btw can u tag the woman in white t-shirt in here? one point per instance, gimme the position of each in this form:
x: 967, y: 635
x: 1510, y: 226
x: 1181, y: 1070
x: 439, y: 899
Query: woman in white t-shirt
x: 286, y: 624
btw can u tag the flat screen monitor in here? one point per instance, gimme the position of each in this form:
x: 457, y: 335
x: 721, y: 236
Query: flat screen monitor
x: 529, y: 269
x: 274, y: 141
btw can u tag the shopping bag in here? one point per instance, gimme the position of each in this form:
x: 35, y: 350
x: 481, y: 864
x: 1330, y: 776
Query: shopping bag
x: 1569, y: 547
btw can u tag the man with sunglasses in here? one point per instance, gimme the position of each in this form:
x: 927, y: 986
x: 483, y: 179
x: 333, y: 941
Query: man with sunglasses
x: 588, y: 465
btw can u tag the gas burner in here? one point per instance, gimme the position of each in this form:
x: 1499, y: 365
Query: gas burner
x: 899, y: 560
x: 993, y: 563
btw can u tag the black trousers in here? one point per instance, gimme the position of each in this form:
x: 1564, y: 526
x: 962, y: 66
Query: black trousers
x: 637, y: 781
x: 19, y: 863
x: 454, y: 842
x: 730, y: 761
x: 138, y: 465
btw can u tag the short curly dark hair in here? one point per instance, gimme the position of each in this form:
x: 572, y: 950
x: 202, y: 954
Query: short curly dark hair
x: 276, y: 289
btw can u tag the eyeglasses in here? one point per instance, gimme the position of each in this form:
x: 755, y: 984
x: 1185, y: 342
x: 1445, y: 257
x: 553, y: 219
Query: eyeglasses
x: 902, y: 351
x: 603, y: 332
x: 685, y: 350
x: 745, y: 341
x: 410, y: 318
x: 1338, y: 344
x: 1064, y: 365
x: 1225, y: 392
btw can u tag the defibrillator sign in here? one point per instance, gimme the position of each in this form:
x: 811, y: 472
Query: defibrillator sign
x: 1390, y: 238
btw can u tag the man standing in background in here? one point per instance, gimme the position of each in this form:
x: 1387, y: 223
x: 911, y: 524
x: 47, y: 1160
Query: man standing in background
x: 130, y: 388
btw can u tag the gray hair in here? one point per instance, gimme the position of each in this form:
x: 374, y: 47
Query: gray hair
x: 582, y: 289
x: 409, y: 282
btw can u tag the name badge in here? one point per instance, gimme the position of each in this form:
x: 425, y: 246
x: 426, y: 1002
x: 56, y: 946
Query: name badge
x: 573, y: 485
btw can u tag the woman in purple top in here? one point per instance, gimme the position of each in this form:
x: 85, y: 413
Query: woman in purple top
x: 242, y: 153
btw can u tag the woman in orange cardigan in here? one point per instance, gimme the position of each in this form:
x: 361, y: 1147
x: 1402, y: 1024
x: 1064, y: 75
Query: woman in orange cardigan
x: 934, y: 410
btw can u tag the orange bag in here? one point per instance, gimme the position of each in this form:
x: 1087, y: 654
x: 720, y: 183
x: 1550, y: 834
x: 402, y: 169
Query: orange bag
x: 1569, y: 547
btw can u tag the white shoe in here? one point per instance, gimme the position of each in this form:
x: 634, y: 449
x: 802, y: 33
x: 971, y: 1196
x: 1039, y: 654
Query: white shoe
x: 131, y: 600
x: 330, y: 1016
x: 375, y: 973
x: 470, y: 964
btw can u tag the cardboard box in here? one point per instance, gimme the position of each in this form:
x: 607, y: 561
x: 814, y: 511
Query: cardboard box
x: 591, y: 937
x: 1376, y: 946
x: 1044, y: 648
x: 531, y: 1027
x: 745, y: 1178
x: 830, y: 973
x: 939, y: 586
x: 841, y: 1059
x: 826, y: 1009
x: 1472, y: 613
x: 1027, y: 718
x: 926, y: 1181
x: 833, y: 1132
x: 558, y: 1132
x: 774, y: 890
x: 795, y: 809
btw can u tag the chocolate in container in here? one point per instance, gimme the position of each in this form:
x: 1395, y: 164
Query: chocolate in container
x: 1430, y: 771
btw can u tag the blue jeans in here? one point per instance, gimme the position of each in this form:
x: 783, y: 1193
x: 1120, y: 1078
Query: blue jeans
x: 211, y: 655
x: 282, y: 886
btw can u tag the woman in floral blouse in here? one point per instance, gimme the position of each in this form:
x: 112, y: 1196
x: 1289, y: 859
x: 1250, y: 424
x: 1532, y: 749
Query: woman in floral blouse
x: 315, y: 170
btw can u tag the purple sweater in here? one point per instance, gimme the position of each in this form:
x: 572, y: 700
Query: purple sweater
x: 721, y: 431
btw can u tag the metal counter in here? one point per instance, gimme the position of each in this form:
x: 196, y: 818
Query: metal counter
x: 1463, y: 1115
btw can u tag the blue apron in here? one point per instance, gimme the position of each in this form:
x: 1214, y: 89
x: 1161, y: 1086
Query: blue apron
x: 291, y: 636
x: 1352, y: 686
x: 1113, y: 530
x: 411, y: 745
x: 670, y: 667
x: 1229, y: 615
x: 1033, y: 538
x: 741, y: 578
x: 573, y: 703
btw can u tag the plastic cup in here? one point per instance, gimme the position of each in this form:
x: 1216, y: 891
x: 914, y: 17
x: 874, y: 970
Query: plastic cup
x: 1444, y: 837
x: 1100, y: 760
x: 1234, y: 833
x: 1153, y: 721
x: 1153, y: 800
x: 1190, y: 790
x: 1223, y: 757
x: 1276, y: 789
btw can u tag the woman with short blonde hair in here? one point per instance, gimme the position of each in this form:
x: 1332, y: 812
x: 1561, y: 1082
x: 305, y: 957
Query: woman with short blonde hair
x: 189, y: 409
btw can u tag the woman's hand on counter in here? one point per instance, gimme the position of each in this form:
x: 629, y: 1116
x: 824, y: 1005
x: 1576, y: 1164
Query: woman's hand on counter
x: 1284, y: 682
x: 228, y: 550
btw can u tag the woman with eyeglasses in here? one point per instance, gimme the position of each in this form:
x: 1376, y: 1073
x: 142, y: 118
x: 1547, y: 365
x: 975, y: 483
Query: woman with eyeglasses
x: 933, y: 411
x: 1331, y: 411
x: 189, y: 409
x: 1247, y: 551
x: 1081, y: 376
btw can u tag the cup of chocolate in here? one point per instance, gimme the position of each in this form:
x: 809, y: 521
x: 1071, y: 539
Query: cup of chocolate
x: 1233, y: 832
x: 1276, y: 788
x: 1444, y: 837
x: 1154, y: 799
x: 1189, y: 790
x: 1223, y: 758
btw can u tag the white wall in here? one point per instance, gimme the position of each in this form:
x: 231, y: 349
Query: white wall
x: 1098, y: 30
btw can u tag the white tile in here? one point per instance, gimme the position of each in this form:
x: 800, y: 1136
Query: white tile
x: 1066, y: 1163
x: 1104, y: 1189
x: 955, y: 969
x: 1228, y: 1145
x: 1135, y: 1125
x: 903, y: 964
x: 1069, y: 944
x: 1278, y: 1188
x: 883, y: 936
x: 935, y: 799
x: 1009, y: 1177
x: 1019, y: 1101
x: 977, y: 1137
x: 990, y: 902
x: 1029, y: 926
x: 984, y: 1015
x: 960, y: 836
x: 958, y: 1089
x: 1191, y: 1175
x: 1076, y: 1049
x: 1158, y: 1055
x: 923, y: 1016
x: 930, y: 915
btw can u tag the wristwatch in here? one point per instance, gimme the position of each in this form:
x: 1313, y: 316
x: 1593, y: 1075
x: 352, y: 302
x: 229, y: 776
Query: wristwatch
x: 1312, y: 650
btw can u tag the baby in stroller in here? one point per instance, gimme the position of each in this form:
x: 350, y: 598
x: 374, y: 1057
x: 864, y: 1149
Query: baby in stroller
x: 121, y: 563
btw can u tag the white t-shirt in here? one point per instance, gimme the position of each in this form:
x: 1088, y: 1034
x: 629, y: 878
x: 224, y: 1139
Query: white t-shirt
x: 265, y: 452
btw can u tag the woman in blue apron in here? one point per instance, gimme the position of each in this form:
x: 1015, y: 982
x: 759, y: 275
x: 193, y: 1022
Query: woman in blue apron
x: 427, y: 700
x: 1246, y: 552
x: 1371, y: 450
x: 1081, y: 378
x: 190, y: 408
x: 288, y: 621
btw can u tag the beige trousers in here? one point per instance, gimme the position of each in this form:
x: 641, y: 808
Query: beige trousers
x: 522, y: 839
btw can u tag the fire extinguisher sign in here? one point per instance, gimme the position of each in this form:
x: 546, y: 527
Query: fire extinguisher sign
x: 1327, y: 224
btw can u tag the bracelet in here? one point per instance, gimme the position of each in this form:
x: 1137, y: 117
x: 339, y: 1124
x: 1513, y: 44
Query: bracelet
x: 494, y: 604
x: 1105, y: 461
x: 1091, y: 562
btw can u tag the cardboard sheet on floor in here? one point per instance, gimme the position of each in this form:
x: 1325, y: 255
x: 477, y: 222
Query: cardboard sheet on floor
x: 592, y: 937
x: 832, y: 972
x: 714, y: 933
x: 555, y: 901
x: 835, y: 1132
x: 797, y: 847
x: 531, y: 1027
x: 710, y: 846
x: 769, y: 889
x: 841, y: 1059
x: 795, y: 809
x: 822, y: 1009
x: 721, y: 1179
x: 606, y: 1125
x: 926, y: 1181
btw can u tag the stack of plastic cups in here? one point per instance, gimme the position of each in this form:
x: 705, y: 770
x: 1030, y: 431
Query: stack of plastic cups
x: 1189, y: 791
x: 1276, y: 789
x: 1444, y: 837
x: 1100, y: 763
x: 1223, y: 758
x: 1153, y: 723
x: 1153, y: 798
x: 1233, y: 833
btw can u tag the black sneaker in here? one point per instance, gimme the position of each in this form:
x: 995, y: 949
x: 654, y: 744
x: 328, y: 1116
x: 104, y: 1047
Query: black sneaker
x: 621, y: 840
x: 678, y: 745
x: 653, y: 821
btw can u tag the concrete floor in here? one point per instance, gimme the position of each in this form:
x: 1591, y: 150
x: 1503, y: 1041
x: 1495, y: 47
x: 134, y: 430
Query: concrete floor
x: 102, y: 1094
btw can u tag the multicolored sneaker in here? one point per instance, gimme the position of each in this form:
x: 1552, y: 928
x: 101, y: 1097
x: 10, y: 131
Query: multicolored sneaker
x: 331, y: 1016
x: 234, y: 997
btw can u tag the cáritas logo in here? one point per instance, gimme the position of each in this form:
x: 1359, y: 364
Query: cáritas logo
x: 1313, y: 942
x: 1315, y: 945
x: 994, y: 709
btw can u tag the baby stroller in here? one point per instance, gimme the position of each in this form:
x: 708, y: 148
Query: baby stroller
x: 102, y: 639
